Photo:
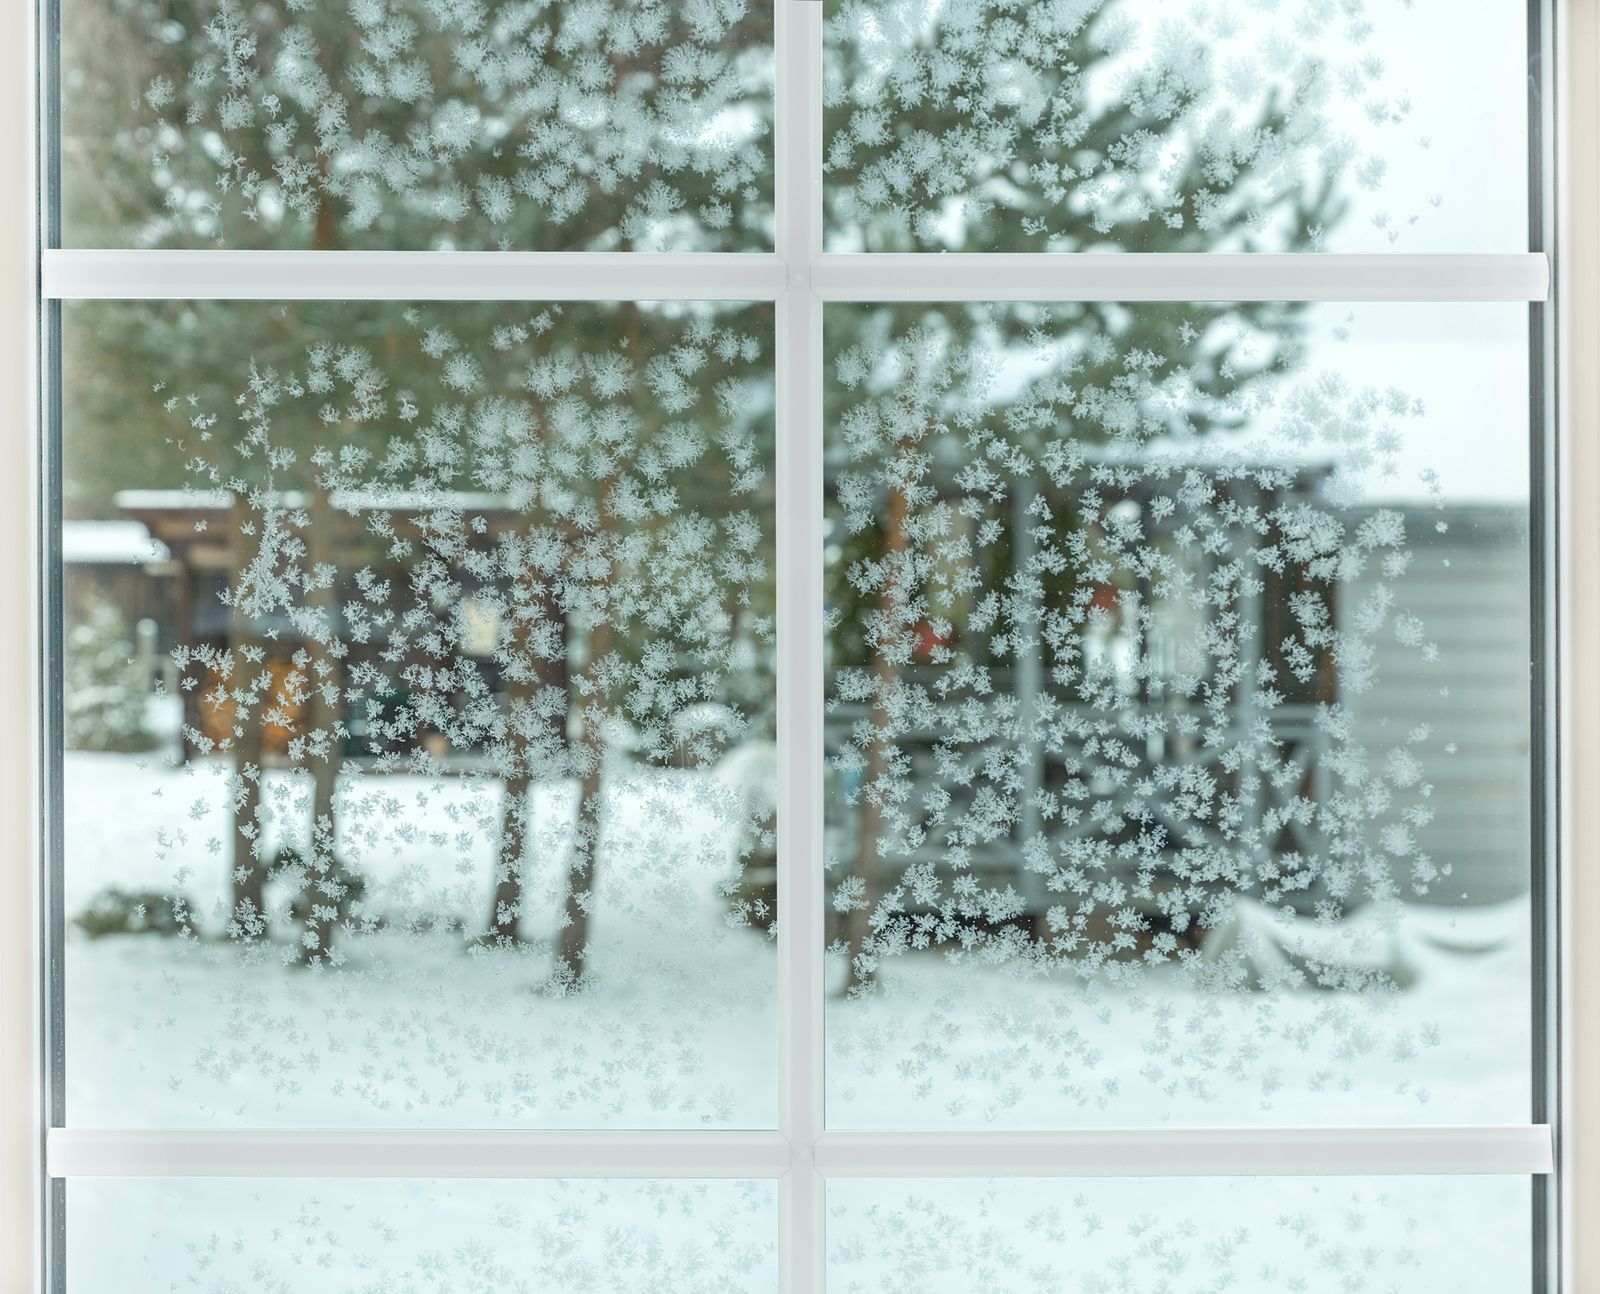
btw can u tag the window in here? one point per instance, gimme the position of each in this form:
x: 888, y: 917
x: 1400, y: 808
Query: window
x: 799, y: 646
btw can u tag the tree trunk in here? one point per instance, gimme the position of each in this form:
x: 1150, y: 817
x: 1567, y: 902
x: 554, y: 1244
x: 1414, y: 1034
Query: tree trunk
x: 524, y: 739
x: 249, y: 868
x: 507, y: 909
x: 515, y: 820
x: 320, y: 721
x: 573, y: 945
x: 321, y: 726
x: 869, y: 808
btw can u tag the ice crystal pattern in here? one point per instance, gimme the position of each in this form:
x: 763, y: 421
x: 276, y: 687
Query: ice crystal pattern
x: 1008, y: 125
x: 584, y: 1237
x: 1329, y: 1236
x: 1103, y: 618
x: 487, y: 729
x: 615, y: 124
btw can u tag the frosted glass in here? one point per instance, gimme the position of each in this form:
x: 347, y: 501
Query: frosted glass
x: 1179, y: 126
x: 1178, y: 715
x: 1215, y: 1235
x: 419, y: 717
x: 597, y: 125
x: 323, y: 1237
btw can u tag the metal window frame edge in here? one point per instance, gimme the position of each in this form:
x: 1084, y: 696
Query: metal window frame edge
x: 1576, y: 369
x: 1492, y: 1149
x: 22, y: 1093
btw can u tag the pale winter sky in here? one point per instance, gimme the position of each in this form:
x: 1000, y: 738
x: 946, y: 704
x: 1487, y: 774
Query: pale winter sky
x: 1460, y: 65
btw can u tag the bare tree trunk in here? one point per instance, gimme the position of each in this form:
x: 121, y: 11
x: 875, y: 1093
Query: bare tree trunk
x: 326, y: 886
x: 573, y: 946
x: 869, y: 807
x: 507, y: 909
x: 249, y: 868
x: 515, y: 820
x: 526, y: 743
x: 321, y: 550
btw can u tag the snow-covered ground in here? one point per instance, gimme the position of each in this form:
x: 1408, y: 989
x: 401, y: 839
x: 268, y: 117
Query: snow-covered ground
x: 678, y: 1030
x: 680, y: 1026
x: 969, y: 1046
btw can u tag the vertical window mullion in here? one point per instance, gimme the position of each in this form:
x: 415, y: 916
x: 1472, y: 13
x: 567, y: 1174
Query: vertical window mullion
x: 799, y: 580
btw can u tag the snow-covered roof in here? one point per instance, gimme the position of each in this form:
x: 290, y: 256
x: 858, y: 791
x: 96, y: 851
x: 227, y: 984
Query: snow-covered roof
x: 109, y: 543
x: 344, y: 500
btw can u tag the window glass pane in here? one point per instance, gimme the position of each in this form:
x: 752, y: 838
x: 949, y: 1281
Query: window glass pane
x: 418, y: 714
x: 1338, y: 1235
x: 389, y: 124
x: 151, y: 1237
x: 1178, y: 714
x: 994, y: 125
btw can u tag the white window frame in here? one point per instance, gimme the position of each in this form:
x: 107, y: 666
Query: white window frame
x: 802, y: 1154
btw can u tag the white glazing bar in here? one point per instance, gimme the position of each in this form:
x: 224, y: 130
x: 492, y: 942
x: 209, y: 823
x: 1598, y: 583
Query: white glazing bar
x: 1099, y: 276
x: 1190, y: 1152
x: 762, y: 276
x: 508, y: 1153
x: 512, y: 1153
x: 413, y: 276
x: 799, y: 617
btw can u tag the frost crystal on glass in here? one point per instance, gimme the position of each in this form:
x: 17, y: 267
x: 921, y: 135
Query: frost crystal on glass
x: 1010, y: 125
x: 593, y: 125
x: 1146, y: 797
x: 459, y: 779
x: 1337, y: 1235
x: 282, y: 1236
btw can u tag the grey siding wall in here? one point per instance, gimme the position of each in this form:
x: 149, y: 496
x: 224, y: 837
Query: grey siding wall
x: 1469, y: 586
